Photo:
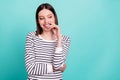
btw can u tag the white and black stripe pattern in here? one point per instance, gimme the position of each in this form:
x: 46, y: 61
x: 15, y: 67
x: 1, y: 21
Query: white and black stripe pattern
x: 40, y: 53
x: 60, y: 57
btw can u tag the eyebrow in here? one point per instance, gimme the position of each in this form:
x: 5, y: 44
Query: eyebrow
x: 40, y: 16
x: 43, y: 16
x: 49, y: 14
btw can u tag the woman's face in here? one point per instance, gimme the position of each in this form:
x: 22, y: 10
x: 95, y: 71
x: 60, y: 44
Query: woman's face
x: 45, y: 19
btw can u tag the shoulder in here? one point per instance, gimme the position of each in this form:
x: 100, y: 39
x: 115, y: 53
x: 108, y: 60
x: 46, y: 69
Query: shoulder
x: 65, y: 38
x: 30, y: 34
x: 66, y: 41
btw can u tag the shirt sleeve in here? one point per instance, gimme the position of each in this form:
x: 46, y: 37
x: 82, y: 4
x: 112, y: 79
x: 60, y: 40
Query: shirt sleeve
x: 32, y: 66
x: 61, y: 54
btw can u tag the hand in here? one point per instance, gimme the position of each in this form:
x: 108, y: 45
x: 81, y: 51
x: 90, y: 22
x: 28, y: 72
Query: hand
x: 61, y: 69
x: 56, y: 30
x: 57, y: 33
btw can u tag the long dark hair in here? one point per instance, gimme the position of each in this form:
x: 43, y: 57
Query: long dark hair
x: 44, y: 6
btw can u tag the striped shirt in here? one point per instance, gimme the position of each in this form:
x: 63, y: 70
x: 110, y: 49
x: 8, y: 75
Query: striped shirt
x: 41, y: 55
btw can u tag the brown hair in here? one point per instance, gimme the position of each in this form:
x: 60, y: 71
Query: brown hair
x: 44, y: 6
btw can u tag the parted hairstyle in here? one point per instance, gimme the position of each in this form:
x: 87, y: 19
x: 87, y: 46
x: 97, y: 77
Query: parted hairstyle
x: 41, y: 7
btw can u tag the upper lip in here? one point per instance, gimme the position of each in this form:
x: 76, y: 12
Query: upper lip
x: 46, y: 25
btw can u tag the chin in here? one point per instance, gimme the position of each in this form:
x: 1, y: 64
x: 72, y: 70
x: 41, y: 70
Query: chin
x: 47, y: 30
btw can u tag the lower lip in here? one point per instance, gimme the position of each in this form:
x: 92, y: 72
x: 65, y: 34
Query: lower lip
x: 46, y: 26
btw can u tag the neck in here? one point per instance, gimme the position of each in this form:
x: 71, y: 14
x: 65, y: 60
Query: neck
x: 47, y: 35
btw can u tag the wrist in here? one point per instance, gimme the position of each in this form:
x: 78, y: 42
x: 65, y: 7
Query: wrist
x: 58, y: 49
x: 59, y: 44
x: 59, y: 36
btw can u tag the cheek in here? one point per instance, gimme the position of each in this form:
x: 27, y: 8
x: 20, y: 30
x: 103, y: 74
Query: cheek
x: 40, y: 22
x: 53, y: 20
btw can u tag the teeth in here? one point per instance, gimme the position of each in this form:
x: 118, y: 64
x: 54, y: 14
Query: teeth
x: 47, y: 25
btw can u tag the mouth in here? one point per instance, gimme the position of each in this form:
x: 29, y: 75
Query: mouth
x: 47, y: 25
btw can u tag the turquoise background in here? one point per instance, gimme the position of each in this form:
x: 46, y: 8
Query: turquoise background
x: 94, y: 28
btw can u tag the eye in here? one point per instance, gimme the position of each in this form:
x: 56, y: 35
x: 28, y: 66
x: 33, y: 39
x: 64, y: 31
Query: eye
x: 41, y: 18
x: 49, y: 16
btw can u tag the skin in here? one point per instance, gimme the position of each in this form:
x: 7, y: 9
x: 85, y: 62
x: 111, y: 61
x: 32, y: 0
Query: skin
x: 51, y: 31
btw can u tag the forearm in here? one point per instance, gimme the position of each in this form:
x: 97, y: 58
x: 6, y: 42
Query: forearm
x: 59, y: 61
x: 62, y: 68
x: 59, y: 42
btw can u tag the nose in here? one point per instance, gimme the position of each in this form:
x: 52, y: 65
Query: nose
x: 46, y: 20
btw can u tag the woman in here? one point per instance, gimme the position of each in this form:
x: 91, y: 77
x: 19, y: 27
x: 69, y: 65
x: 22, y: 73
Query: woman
x: 46, y: 49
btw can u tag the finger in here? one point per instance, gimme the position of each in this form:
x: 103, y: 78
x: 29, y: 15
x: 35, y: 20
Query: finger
x: 53, y: 25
